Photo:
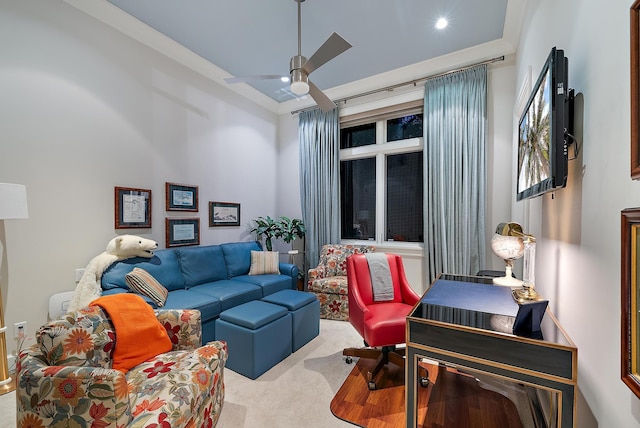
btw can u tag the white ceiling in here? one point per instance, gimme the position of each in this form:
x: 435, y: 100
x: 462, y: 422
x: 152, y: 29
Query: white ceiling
x: 391, y: 39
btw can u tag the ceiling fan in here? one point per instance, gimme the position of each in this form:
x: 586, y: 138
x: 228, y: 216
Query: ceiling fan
x: 300, y: 67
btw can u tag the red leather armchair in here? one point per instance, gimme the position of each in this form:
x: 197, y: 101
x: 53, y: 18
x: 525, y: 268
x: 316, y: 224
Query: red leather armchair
x: 381, y: 324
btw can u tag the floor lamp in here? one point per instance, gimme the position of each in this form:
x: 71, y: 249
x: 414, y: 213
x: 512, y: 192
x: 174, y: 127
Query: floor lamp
x: 13, y: 204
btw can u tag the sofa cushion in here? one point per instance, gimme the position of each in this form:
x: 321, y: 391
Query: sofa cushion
x: 264, y: 262
x: 85, y: 338
x: 141, y: 281
x: 268, y: 283
x: 237, y: 256
x: 163, y: 266
x: 209, y: 306
x: 202, y: 264
x: 230, y: 293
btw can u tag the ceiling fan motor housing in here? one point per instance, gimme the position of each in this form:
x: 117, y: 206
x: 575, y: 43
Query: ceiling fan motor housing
x: 299, y: 79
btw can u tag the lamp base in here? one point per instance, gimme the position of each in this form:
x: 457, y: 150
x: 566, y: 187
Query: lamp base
x: 507, y: 281
x: 525, y: 294
x: 8, y: 387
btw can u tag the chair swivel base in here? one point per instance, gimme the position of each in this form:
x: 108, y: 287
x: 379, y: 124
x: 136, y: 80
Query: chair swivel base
x: 383, y: 356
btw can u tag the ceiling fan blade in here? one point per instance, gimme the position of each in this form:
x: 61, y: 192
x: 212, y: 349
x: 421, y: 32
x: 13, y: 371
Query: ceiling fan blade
x: 245, y: 79
x: 330, y: 49
x: 323, y: 101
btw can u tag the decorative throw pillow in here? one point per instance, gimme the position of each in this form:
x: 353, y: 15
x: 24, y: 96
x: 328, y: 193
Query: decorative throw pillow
x: 264, y: 262
x: 141, y: 281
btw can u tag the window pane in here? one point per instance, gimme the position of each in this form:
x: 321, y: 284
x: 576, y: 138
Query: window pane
x: 404, y: 197
x: 358, y: 198
x: 357, y: 136
x: 404, y: 127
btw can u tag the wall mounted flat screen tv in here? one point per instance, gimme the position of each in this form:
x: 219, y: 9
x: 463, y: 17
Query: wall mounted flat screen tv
x: 544, y: 130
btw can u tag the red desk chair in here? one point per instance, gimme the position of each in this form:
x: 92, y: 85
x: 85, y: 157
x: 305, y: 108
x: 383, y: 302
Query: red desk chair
x: 380, y: 323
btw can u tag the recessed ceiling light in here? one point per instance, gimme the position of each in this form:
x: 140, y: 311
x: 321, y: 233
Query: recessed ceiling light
x: 442, y: 23
x: 285, y: 79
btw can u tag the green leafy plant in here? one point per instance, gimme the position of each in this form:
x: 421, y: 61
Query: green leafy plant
x: 290, y: 229
x: 284, y: 228
x: 266, y: 228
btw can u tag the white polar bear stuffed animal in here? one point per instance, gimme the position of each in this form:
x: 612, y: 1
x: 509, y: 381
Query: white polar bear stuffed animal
x: 119, y: 248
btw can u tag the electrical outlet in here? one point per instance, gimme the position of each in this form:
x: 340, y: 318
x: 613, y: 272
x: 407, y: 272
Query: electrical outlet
x: 79, y: 273
x: 20, y: 330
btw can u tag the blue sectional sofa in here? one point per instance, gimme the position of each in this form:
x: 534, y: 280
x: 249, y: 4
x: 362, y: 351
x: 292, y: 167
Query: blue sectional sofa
x: 210, y: 278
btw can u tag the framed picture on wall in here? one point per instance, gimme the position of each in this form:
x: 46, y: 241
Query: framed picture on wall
x: 182, y: 231
x: 630, y: 302
x: 635, y: 89
x: 181, y: 197
x: 132, y: 208
x: 224, y: 214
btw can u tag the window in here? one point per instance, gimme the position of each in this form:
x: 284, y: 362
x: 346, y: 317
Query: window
x: 358, y: 198
x: 357, y: 136
x: 381, y: 177
x: 404, y: 197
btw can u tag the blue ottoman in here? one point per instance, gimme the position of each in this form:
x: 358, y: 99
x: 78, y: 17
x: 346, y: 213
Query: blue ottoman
x: 305, y: 314
x: 258, y: 336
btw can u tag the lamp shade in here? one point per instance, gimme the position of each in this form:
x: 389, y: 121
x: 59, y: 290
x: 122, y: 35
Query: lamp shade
x: 13, y: 201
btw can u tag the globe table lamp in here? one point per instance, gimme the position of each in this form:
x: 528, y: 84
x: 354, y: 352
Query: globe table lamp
x: 507, y: 243
x: 13, y: 205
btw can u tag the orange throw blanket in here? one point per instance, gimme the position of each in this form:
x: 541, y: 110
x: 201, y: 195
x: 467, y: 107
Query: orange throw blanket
x: 139, y: 334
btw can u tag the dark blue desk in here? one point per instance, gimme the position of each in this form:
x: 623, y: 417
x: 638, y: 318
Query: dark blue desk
x: 460, y: 322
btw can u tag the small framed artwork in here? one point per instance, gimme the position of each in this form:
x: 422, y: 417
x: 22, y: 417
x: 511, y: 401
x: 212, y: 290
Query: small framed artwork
x: 224, y: 214
x: 132, y: 208
x: 181, y: 197
x: 182, y: 231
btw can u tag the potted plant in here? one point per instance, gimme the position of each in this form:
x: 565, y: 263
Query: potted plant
x: 285, y: 228
x: 266, y: 228
x: 290, y: 229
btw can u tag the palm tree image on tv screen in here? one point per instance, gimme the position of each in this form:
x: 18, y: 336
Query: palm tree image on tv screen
x: 534, y: 138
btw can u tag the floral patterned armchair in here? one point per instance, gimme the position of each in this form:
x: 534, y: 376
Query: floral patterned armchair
x: 66, y: 378
x: 328, y: 281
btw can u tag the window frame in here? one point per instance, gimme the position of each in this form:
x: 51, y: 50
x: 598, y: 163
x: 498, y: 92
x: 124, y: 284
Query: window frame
x: 380, y: 150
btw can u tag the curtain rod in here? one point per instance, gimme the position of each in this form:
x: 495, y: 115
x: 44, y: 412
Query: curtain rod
x: 413, y: 82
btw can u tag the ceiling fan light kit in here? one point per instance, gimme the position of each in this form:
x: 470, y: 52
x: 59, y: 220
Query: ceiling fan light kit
x: 299, y: 79
x: 300, y: 67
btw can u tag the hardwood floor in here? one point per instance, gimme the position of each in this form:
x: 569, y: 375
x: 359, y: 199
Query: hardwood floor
x: 383, y: 407
x: 451, y: 400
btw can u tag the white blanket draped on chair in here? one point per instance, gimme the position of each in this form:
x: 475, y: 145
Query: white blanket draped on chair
x: 381, y: 281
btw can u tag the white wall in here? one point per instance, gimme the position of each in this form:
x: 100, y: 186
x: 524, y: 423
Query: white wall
x: 578, y: 254
x: 85, y: 108
x: 500, y: 100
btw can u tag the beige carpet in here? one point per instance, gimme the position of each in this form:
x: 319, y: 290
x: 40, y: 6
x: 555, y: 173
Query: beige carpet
x: 298, y: 391
x: 8, y: 410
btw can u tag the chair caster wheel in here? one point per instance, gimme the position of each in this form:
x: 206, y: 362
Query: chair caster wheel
x: 348, y: 360
x: 424, y: 382
x: 371, y: 385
